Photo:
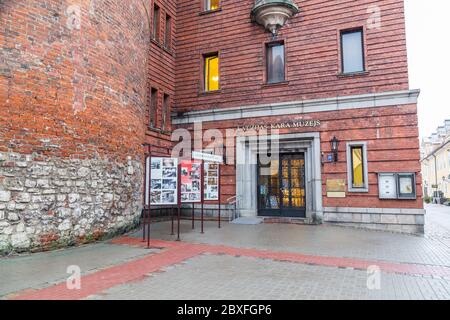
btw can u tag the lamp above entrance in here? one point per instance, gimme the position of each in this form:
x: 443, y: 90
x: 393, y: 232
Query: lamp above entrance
x: 273, y: 14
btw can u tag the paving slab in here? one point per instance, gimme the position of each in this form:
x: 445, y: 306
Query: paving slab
x: 224, y: 277
x: 40, y: 270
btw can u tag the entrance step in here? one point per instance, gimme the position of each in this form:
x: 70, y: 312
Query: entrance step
x: 248, y: 220
x: 285, y: 220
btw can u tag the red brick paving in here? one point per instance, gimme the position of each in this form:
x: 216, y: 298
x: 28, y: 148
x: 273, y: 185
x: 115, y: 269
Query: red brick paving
x: 117, y: 275
x: 176, y: 252
x: 389, y: 267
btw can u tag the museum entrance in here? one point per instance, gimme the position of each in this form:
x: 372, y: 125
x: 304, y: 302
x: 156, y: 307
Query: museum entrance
x: 281, y: 186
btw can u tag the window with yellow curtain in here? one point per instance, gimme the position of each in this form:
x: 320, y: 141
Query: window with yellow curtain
x: 211, y: 5
x: 357, y: 167
x: 212, y: 72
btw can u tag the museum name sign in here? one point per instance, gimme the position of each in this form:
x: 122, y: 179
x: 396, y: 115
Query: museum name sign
x: 282, y: 125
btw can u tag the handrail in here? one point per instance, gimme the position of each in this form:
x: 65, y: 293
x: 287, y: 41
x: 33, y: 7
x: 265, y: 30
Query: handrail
x: 234, y: 201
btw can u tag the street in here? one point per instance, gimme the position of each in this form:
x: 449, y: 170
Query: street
x: 268, y: 261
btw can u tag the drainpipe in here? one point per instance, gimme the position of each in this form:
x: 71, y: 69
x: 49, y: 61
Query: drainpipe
x: 435, y: 173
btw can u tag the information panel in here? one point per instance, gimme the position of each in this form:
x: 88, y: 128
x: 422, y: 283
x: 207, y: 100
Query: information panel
x: 191, y: 181
x: 387, y: 184
x: 211, y: 182
x: 164, y: 181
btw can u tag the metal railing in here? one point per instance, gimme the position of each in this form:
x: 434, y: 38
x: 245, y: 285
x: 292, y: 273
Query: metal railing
x: 234, y: 201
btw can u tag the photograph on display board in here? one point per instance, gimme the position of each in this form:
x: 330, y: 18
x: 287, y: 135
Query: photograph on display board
x: 164, y: 181
x: 190, y: 181
x: 211, y: 181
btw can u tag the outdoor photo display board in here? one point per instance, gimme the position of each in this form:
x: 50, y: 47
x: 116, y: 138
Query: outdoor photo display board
x: 191, y: 181
x: 163, y: 181
x: 211, y: 177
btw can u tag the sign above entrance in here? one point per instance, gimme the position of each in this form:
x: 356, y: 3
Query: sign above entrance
x: 282, y: 125
x: 206, y: 157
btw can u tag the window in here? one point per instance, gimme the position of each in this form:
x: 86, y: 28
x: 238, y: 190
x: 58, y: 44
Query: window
x: 352, y: 51
x: 168, y: 34
x: 211, y: 5
x: 275, y: 62
x: 153, y: 107
x: 357, y: 167
x: 155, y: 31
x: 212, y: 72
x: 165, y: 112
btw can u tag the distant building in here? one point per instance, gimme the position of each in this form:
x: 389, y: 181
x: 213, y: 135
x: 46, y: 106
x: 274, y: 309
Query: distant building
x: 436, y: 161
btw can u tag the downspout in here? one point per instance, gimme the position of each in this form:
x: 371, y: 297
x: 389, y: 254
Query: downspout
x: 435, y: 172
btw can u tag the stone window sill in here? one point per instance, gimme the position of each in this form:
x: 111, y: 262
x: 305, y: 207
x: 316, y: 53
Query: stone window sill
x: 162, y: 46
x: 206, y: 12
x: 353, y: 74
x: 274, y: 84
x: 205, y: 93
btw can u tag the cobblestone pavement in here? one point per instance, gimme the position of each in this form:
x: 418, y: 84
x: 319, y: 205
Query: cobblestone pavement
x: 327, y: 240
x: 224, y: 277
x: 437, y: 225
x: 244, y: 262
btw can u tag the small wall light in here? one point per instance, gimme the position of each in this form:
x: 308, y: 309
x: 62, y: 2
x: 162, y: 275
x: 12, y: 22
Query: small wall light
x: 335, y: 147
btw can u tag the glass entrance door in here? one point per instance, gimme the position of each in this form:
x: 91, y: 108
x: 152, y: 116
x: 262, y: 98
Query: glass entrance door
x: 281, y: 187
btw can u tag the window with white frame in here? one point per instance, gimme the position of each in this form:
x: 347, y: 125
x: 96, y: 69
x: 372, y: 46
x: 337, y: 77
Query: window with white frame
x: 357, y: 168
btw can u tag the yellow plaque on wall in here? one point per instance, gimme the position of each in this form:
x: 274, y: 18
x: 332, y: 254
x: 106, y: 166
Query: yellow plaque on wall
x: 335, y: 185
x: 336, y: 194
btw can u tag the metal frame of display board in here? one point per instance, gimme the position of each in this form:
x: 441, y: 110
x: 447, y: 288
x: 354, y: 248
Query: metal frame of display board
x: 148, y: 208
x: 201, y: 189
x: 147, y: 195
x: 219, y: 198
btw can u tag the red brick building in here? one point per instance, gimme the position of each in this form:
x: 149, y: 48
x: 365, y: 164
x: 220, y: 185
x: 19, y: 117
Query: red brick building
x: 86, y: 87
x: 344, y: 64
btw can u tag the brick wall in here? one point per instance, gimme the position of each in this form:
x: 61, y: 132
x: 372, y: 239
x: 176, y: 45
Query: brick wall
x: 312, y: 53
x: 161, y: 75
x: 73, y: 93
x: 392, y: 140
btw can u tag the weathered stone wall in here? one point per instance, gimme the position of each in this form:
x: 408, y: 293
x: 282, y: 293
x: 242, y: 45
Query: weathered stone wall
x: 73, y: 95
x: 52, y: 202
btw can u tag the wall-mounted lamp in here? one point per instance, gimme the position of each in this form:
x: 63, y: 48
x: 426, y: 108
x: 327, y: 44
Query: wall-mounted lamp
x: 334, y: 148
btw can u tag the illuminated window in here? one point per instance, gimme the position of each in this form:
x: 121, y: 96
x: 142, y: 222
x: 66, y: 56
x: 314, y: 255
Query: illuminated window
x: 153, y: 107
x: 357, y: 168
x: 156, y: 17
x: 211, y: 5
x: 352, y: 51
x: 212, y: 72
x: 275, y: 62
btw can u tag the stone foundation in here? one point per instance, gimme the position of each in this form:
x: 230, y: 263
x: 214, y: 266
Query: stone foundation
x: 48, y: 202
x: 410, y: 221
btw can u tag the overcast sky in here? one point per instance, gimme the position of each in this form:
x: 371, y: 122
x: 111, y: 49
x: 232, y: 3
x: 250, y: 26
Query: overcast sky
x: 428, y: 34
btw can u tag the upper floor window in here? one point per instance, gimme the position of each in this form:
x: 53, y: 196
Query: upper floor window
x: 275, y: 62
x: 212, y: 72
x: 168, y: 33
x: 156, y: 18
x: 352, y: 51
x: 165, y: 112
x: 153, y: 107
x: 211, y: 5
